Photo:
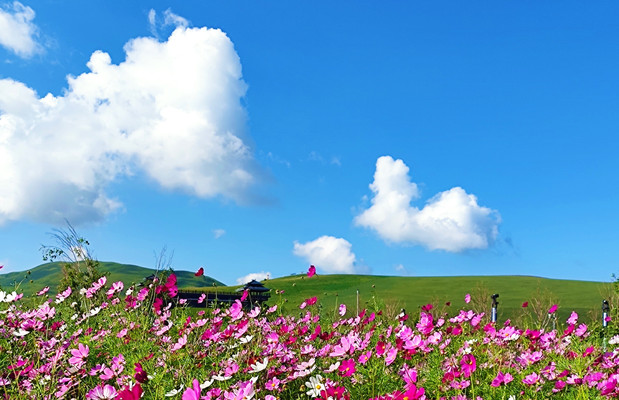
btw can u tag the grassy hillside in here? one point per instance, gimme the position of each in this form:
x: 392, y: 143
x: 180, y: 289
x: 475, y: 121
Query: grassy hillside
x: 394, y: 293
x: 388, y: 293
x: 50, y: 274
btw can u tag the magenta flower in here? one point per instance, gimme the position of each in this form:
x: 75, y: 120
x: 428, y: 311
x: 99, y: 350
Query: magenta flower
x: 131, y: 394
x: 342, y: 309
x: 552, y: 309
x: 468, y: 365
x: 467, y: 298
x: 502, y: 379
x: 311, y: 271
x: 531, y: 379
x: 347, y: 367
x: 193, y: 393
x: 79, y: 355
x: 573, y: 318
x: 273, y: 383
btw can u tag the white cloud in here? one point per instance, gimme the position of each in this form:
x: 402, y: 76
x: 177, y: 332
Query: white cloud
x: 451, y: 221
x: 259, y: 276
x: 217, y: 233
x: 172, y: 110
x: 169, y: 19
x: 17, y: 31
x: 328, y: 253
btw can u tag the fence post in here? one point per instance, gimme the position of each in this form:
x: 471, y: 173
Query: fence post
x: 495, y: 305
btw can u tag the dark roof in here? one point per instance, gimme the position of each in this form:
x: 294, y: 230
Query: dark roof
x: 254, y: 286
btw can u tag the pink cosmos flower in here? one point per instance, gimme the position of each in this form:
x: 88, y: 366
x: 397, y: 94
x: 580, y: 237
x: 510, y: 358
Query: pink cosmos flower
x: 342, y: 309
x: 531, y: 379
x: 365, y: 357
x: 347, y: 367
x: 79, y: 355
x: 502, y: 379
x: 468, y: 365
x: 131, y: 394
x: 245, y: 294
x: 102, y: 393
x: 425, y: 324
x: 552, y: 309
x: 43, y: 291
x: 201, y: 299
x: 467, y: 298
x: 193, y: 393
x: 273, y: 384
x: 581, y: 330
x: 391, y: 355
x: 573, y: 318
x: 311, y: 271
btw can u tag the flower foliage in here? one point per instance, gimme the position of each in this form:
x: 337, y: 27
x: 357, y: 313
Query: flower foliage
x: 139, y: 343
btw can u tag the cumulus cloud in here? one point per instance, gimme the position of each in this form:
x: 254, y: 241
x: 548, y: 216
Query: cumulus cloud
x: 259, y: 276
x: 17, y: 31
x: 451, y: 221
x: 171, y: 112
x: 328, y: 253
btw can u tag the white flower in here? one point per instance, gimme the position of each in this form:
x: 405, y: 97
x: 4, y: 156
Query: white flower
x: 315, y: 386
x: 20, y: 332
x: 259, y: 366
x: 174, y: 392
x: 206, y: 384
x: 614, y: 340
x: 246, y: 339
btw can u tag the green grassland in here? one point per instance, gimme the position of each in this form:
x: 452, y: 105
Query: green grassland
x: 50, y: 274
x: 391, y: 294
x: 387, y: 293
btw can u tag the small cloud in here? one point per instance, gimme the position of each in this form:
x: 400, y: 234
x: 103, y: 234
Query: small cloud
x: 451, y: 220
x: 169, y: 18
x: 152, y: 22
x: 259, y: 276
x: 217, y: 233
x: 17, y: 31
x: 328, y: 253
x: 317, y: 157
x: 402, y: 270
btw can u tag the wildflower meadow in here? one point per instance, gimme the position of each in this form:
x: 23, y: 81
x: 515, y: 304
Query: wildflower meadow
x: 108, y: 341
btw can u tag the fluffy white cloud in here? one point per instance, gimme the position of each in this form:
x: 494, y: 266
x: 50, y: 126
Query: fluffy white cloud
x: 451, y: 221
x: 17, y: 31
x: 171, y: 111
x: 328, y: 253
x: 259, y: 276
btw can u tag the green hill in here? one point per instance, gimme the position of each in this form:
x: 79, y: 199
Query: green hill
x: 394, y: 293
x: 50, y: 274
x: 388, y: 293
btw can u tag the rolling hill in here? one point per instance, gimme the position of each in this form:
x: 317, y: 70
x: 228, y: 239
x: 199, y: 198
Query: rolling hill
x: 50, y: 274
x: 393, y: 293
x: 389, y: 293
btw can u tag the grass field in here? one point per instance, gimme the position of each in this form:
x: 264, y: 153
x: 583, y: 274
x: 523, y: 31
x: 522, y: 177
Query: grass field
x: 388, y: 293
x: 49, y: 274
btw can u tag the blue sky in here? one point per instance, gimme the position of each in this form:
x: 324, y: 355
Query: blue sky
x: 391, y: 138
